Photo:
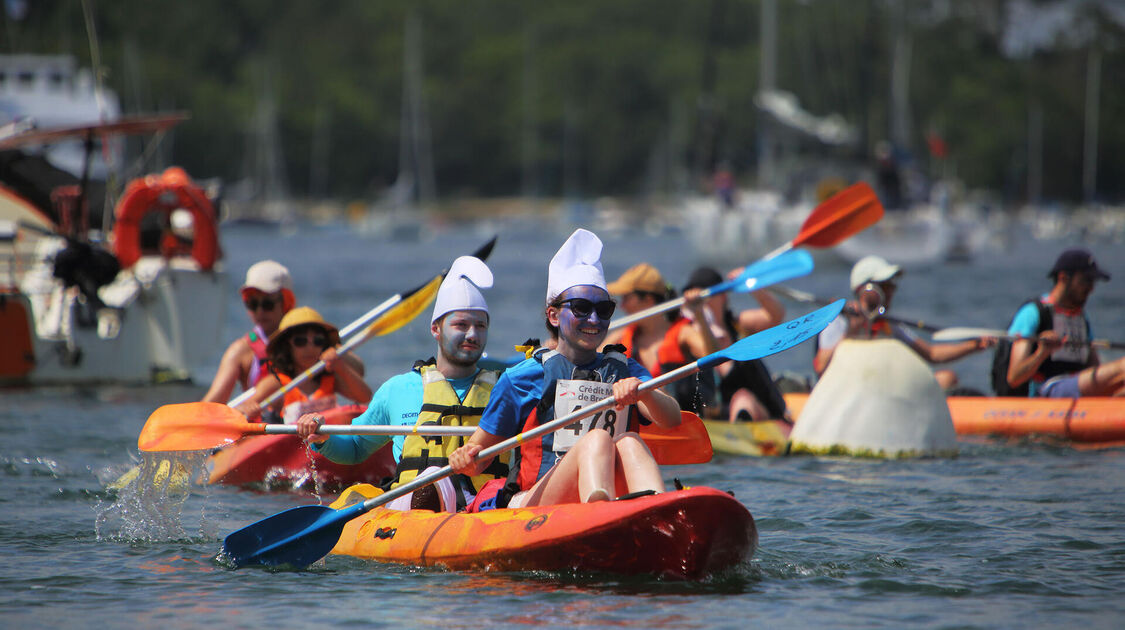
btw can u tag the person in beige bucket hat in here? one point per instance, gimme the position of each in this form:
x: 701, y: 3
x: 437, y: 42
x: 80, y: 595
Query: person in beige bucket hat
x: 302, y: 339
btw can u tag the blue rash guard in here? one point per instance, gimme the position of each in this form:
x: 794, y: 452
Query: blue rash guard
x: 396, y: 402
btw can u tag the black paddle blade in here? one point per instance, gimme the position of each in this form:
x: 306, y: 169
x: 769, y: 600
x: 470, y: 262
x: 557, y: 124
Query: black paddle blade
x: 297, y: 537
x: 485, y: 249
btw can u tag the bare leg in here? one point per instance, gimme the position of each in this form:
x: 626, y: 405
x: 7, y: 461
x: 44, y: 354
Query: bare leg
x: 584, y: 474
x: 743, y: 399
x: 637, y: 464
x: 1107, y: 379
x: 946, y: 378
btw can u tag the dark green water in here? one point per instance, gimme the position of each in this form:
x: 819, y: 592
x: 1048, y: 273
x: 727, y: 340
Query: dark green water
x: 1005, y: 535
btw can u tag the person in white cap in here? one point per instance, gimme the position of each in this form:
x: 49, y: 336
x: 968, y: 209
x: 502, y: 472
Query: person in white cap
x: 267, y: 295
x: 873, y: 282
x: 600, y: 457
x: 449, y: 390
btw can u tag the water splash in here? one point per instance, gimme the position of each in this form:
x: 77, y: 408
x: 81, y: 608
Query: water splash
x: 150, y: 498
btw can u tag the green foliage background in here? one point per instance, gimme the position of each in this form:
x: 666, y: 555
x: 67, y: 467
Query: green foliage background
x: 584, y: 97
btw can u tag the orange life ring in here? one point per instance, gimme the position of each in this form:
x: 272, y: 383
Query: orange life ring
x: 164, y: 193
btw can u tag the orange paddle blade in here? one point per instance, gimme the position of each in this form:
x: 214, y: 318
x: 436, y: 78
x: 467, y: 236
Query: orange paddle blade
x: 198, y: 426
x: 685, y: 444
x: 848, y: 212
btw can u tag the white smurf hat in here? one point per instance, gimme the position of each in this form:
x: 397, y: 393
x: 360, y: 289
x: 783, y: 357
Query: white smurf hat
x: 578, y: 262
x: 460, y: 291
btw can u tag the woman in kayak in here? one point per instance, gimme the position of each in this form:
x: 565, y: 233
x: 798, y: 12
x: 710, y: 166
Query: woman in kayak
x: 600, y: 457
x: 302, y: 339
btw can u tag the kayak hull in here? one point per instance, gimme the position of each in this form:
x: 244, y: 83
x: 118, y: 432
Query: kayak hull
x: 756, y: 439
x: 685, y: 534
x: 285, y: 461
x: 1092, y: 421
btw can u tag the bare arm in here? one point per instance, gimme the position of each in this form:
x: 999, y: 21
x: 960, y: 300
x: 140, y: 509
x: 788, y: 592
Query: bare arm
x: 230, y: 372
x: 461, y: 460
x: 698, y: 339
x: 1024, y: 361
x: 757, y: 319
x: 653, y: 403
x: 945, y: 352
x: 268, y: 385
x: 348, y: 382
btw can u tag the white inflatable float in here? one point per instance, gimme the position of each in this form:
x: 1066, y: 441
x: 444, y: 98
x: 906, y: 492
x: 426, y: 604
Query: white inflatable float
x: 876, y: 399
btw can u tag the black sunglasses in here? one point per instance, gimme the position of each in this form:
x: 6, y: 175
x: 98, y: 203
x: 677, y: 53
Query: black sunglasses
x: 581, y: 307
x: 266, y: 303
x: 299, y: 341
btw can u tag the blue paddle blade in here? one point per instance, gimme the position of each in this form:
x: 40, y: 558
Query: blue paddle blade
x: 776, y: 339
x: 297, y: 537
x: 792, y: 264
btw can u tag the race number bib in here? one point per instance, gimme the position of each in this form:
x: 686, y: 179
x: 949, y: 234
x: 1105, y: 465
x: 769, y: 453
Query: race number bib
x: 572, y: 395
x: 1074, y: 328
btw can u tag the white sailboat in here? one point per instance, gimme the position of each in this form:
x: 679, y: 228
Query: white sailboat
x: 142, y: 304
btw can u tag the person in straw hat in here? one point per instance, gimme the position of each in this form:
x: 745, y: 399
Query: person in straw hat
x: 449, y: 390
x: 596, y: 460
x: 302, y: 339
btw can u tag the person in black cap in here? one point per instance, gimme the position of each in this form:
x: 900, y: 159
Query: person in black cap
x: 738, y: 390
x: 1053, y: 355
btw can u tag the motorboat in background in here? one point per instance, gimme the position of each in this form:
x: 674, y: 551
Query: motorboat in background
x: 141, y: 303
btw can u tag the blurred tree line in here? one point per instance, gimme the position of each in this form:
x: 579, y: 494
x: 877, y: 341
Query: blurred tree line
x: 591, y: 97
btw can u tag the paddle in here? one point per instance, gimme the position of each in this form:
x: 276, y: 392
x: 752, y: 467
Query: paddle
x: 848, y: 212
x: 809, y: 298
x: 394, y: 313
x: 211, y: 425
x: 756, y: 276
x: 302, y: 535
x: 963, y: 333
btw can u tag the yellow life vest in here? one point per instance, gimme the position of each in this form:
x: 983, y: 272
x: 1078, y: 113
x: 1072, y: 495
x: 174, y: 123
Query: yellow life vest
x: 441, y: 406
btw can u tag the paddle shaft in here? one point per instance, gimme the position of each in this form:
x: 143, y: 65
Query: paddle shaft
x: 519, y: 439
x: 960, y: 334
x: 809, y: 298
x: 656, y: 310
x: 362, y: 429
x: 358, y: 324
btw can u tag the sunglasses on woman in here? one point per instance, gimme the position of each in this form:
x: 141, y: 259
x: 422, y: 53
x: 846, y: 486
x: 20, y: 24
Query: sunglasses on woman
x: 266, y: 303
x: 299, y: 341
x: 581, y: 307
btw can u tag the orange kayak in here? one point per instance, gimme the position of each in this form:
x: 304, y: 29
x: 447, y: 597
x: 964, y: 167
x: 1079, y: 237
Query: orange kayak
x: 285, y: 461
x: 685, y: 534
x: 1096, y: 420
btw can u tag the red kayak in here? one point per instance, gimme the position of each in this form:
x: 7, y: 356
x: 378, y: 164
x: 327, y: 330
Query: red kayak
x: 285, y: 461
x: 686, y: 534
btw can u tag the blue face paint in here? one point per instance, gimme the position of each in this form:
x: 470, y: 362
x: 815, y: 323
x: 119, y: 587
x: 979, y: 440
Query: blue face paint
x: 463, y: 336
x: 585, y: 334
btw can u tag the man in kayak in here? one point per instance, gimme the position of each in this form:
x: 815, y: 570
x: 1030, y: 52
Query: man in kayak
x: 450, y: 390
x: 267, y: 295
x: 598, y: 458
x: 873, y: 282
x: 1053, y: 354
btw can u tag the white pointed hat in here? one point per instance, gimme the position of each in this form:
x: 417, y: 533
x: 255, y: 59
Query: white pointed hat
x: 578, y: 262
x: 460, y: 291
